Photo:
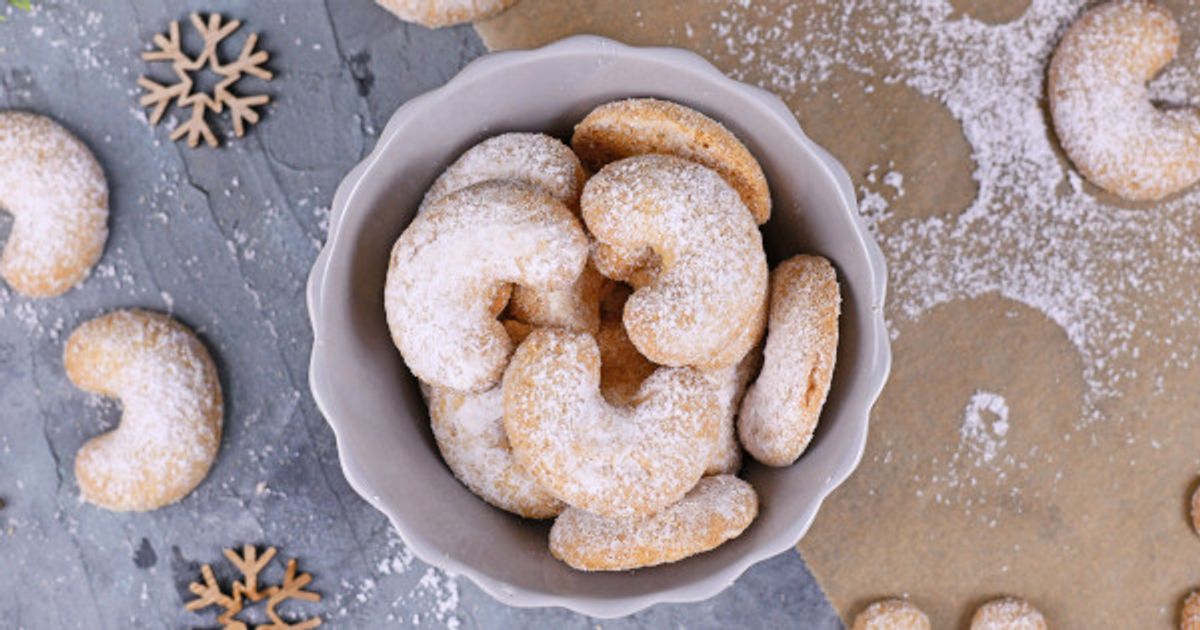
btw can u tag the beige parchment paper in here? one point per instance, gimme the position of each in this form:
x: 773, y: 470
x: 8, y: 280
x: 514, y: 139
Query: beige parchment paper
x: 1039, y: 436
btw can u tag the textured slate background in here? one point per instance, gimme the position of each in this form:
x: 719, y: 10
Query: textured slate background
x: 223, y: 239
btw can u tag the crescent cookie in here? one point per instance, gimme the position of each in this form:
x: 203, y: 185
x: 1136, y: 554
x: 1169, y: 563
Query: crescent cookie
x: 640, y: 126
x: 170, y: 428
x: 1007, y: 613
x: 439, y: 13
x: 891, y: 614
x: 781, y: 409
x: 612, y: 461
x: 447, y: 267
x: 469, y: 430
x: 623, y: 369
x: 56, y: 192
x: 638, y: 268
x: 718, y: 509
x: 1102, y: 112
x: 543, y: 161
x: 533, y: 158
x: 704, y: 305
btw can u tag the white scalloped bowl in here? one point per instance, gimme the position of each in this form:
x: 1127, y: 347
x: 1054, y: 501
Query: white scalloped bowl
x: 372, y: 402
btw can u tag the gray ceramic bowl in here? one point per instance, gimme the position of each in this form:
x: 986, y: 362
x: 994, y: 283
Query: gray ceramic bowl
x: 372, y: 402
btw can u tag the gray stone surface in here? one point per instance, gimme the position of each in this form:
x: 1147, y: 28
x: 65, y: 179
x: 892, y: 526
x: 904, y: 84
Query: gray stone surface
x: 223, y: 239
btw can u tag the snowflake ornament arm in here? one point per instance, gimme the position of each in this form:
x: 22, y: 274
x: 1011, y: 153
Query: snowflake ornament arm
x: 213, y: 31
x: 209, y: 593
x: 241, y: 109
x: 249, y: 61
x: 169, y: 45
x: 250, y: 564
x: 160, y: 96
x: 196, y: 127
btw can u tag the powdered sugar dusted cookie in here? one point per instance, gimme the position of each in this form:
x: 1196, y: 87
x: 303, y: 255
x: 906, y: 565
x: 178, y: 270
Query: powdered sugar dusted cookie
x: 533, y: 158
x: 1189, y: 613
x: 1007, y: 613
x: 469, y: 429
x: 622, y: 368
x: 716, y: 510
x: 702, y: 306
x: 640, y: 126
x: 171, y: 424
x: 613, y: 461
x: 55, y: 190
x: 781, y: 409
x: 1102, y: 111
x: 543, y: 161
x: 576, y: 307
x: 439, y: 13
x: 730, y: 384
x: 891, y: 614
x: 447, y: 267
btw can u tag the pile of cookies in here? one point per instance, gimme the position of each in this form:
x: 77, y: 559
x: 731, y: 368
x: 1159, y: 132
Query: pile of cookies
x: 600, y: 348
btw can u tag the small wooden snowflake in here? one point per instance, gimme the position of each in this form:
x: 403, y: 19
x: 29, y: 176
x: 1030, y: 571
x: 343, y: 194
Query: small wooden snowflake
x: 184, y: 93
x: 250, y: 564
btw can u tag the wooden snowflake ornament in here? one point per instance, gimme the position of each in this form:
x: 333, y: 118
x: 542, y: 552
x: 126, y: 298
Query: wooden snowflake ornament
x: 183, y: 93
x: 250, y: 564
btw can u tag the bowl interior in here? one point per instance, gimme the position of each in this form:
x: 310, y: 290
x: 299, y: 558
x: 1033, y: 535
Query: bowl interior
x: 372, y: 400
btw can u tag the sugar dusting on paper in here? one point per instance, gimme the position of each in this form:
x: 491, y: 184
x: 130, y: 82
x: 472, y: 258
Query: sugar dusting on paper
x: 1034, y: 232
x: 985, y: 426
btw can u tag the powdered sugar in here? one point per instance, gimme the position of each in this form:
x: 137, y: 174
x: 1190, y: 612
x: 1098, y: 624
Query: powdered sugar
x: 731, y: 384
x: 1101, y: 108
x: 702, y: 307
x: 438, y: 13
x: 1034, y: 233
x: 448, y: 264
x: 615, y: 461
x: 533, y: 158
x: 469, y: 430
x: 1008, y: 613
x: 984, y: 426
x: 717, y: 509
x: 642, y: 126
x: 430, y: 598
x: 892, y: 614
x: 57, y: 194
x: 171, y: 424
x: 781, y: 409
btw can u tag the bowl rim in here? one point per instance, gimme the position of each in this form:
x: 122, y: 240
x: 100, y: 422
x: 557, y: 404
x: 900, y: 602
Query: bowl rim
x: 875, y: 371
